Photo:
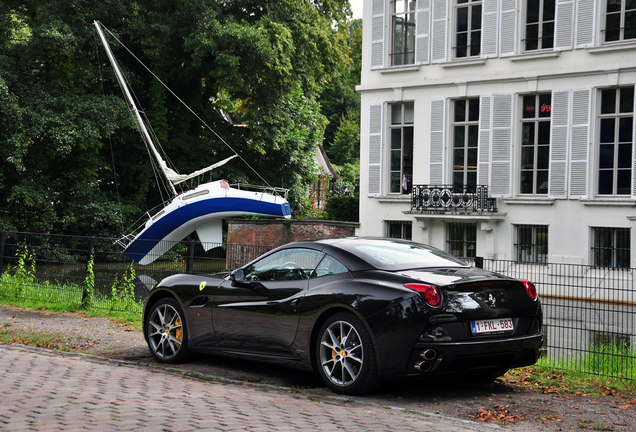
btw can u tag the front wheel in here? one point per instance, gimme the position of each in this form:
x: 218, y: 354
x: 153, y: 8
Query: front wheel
x: 345, y: 355
x: 166, y: 332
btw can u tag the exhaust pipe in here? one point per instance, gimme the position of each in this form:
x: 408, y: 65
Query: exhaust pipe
x: 425, y: 366
x: 429, y: 354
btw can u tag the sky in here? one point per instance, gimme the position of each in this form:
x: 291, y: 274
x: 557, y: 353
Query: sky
x: 356, y: 7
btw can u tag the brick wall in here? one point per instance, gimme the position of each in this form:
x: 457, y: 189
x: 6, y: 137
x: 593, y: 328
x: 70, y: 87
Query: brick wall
x: 242, y: 234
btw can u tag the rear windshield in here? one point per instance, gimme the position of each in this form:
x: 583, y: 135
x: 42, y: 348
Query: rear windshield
x: 402, y: 256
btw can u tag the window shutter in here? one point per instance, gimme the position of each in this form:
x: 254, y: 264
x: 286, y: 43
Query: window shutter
x: 489, y: 28
x: 579, y: 143
x: 585, y: 23
x: 508, y: 34
x: 634, y: 150
x: 436, y: 157
x: 422, y: 33
x: 375, y: 150
x: 559, y: 143
x: 483, y: 164
x: 377, y: 34
x: 440, y: 19
x: 501, y: 144
x: 564, y: 23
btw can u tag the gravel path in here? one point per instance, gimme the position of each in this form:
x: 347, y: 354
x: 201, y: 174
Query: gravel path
x: 79, y: 333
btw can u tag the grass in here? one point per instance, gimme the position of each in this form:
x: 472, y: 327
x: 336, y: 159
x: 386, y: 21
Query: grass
x: 36, y: 339
x: 20, y: 287
x: 52, y: 303
x: 607, y: 369
x: 549, y: 380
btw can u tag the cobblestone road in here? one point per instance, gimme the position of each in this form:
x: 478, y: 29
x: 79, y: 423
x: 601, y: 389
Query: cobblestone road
x: 52, y: 391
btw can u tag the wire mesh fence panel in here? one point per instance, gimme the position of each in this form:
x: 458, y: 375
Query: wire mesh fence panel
x: 589, y: 315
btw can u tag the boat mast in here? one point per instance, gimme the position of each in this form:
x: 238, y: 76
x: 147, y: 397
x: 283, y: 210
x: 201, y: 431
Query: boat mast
x: 140, y: 122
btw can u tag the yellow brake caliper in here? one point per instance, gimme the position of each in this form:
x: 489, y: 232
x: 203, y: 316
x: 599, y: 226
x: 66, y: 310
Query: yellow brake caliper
x: 179, y: 332
x: 334, y: 353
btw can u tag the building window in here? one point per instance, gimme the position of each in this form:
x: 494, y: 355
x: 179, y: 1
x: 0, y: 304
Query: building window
x: 401, y: 157
x: 398, y: 230
x: 620, y: 20
x: 532, y: 243
x: 468, y: 25
x: 403, y: 30
x: 465, y: 139
x: 615, y: 141
x: 461, y: 239
x: 535, y: 144
x: 610, y: 247
x: 539, y: 25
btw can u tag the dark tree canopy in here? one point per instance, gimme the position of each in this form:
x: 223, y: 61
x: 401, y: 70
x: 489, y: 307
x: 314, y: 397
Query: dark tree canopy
x: 340, y: 103
x: 71, y: 159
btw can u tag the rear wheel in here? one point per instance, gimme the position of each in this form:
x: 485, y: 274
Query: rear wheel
x: 345, y: 355
x: 166, y: 332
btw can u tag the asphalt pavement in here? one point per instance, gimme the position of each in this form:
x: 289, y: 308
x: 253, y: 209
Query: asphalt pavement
x: 46, y: 390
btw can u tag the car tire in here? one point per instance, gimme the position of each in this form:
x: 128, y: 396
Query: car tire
x: 166, y: 332
x: 345, y: 355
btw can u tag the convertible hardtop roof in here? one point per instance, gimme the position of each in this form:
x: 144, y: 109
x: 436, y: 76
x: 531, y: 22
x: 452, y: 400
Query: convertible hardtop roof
x: 367, y: 253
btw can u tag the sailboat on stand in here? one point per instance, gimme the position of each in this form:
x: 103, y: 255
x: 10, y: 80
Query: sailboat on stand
x: 201, y: 209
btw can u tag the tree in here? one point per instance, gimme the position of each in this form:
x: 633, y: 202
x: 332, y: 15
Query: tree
x: 67, y: 139
x: 341, y: 105
x: 339, y: 96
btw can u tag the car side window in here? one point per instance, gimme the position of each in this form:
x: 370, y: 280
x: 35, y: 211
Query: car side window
x: 284, y: 265
x: 329, y: 266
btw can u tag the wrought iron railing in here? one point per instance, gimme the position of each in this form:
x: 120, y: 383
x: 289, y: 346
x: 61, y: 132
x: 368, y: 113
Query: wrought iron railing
x: 450, y: 198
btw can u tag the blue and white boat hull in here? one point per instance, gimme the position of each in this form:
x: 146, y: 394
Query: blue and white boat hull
x: 202, y: 210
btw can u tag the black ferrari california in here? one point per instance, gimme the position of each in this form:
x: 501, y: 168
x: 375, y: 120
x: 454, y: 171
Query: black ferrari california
x: 355, y: 310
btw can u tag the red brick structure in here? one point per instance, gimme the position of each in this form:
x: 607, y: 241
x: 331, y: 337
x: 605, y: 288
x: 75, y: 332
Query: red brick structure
x: 248, y: 238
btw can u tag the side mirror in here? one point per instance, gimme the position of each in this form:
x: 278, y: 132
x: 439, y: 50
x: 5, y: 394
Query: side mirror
x: 238, y: 276
x: 238, y: 280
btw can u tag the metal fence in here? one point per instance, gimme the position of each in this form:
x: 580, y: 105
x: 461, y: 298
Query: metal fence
x: 589, y: 312
x: 60, y: 262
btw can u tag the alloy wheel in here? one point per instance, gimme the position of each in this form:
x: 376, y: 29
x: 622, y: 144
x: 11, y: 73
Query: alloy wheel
x: 165, y: 331
x: 341, y: 353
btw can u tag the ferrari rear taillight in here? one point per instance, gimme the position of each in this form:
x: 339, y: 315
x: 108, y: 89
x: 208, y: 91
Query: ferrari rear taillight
x: 530, y: 289
x: 430, y: 293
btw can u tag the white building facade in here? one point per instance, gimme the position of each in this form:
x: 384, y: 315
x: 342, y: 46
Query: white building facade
x: 501, y: 128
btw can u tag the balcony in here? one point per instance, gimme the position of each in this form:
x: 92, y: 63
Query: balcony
x: 452, y: 199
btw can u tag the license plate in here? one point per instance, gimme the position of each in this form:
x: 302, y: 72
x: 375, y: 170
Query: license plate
x: 499, y: 325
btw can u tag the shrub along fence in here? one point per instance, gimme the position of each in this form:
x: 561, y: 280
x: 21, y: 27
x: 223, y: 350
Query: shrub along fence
x: 589, y: 312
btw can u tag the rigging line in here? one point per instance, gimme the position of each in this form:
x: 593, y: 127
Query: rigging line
x: 164, y: 181
x: 110, y: 140
x: 161, y: 181
x: 155, y: 173
x: 184, y: 104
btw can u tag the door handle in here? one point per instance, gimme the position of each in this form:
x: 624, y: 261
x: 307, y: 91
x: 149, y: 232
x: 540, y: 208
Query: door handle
x: 296, y: 302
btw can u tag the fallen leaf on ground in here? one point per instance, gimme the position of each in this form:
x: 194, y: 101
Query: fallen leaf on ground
x: 489, y: 416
